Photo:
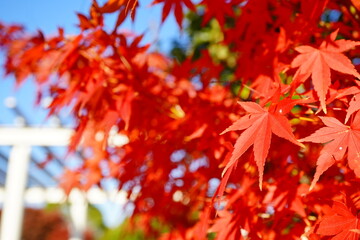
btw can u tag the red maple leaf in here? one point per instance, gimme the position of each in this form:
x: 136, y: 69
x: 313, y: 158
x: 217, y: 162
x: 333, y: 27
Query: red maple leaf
x: 354, y: 106
x: 123, y: 6
x: 259, y: 125
x: 318, y: 62
x: 218, y: 10
x: 288, y: 194
x: 341, y: 224
x: 177, y: 6
x: 338, y: 137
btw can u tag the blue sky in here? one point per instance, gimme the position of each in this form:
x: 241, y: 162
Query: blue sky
x: 47, y: 16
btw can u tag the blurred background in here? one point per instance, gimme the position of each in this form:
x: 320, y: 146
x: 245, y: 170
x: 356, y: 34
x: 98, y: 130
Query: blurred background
x: 33, y: 153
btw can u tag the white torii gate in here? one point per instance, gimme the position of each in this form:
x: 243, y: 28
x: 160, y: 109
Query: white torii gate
x: 22, y: 139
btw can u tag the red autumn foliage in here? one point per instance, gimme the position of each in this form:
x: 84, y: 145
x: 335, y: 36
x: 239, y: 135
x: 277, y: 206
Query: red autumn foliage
x: 42, y: 225
x: 174, y: 111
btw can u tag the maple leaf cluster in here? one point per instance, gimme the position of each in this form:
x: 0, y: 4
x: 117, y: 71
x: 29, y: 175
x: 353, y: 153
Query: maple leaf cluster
x: 250, y: 133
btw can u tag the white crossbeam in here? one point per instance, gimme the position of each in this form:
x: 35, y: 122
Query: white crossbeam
x: 56, y: 195
x: 35, y: 136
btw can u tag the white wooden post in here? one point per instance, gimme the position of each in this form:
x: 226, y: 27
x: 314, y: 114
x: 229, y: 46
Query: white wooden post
x: 16, y: 179
x: 78, y: 213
